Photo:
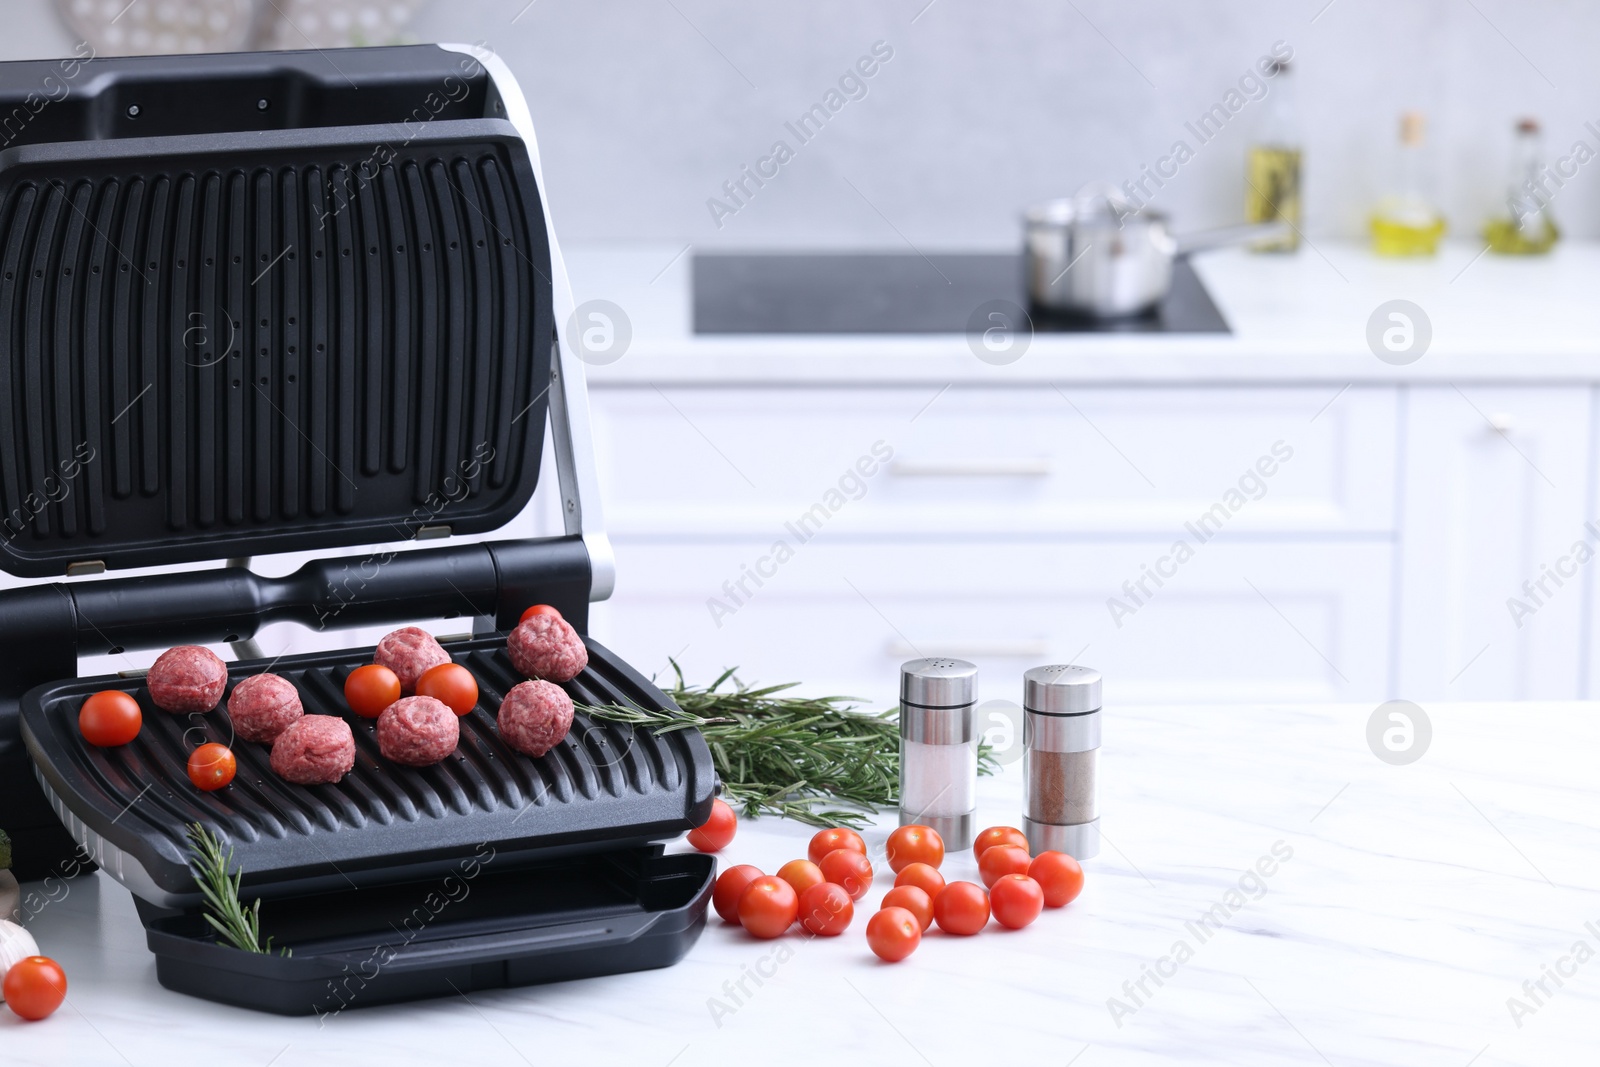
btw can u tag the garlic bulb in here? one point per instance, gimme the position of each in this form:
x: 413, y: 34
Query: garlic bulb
x: 15, y: 944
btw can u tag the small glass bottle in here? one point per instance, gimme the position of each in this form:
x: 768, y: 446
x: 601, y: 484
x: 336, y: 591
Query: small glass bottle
x: 1272, y: 165
x: 1527, y: 228
x: 939, y: 747
x: 1406, y: 221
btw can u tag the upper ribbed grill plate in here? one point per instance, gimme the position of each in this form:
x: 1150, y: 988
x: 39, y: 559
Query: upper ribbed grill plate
x: 251, y: 348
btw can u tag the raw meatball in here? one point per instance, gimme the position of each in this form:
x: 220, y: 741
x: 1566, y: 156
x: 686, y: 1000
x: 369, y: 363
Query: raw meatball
x: 263, y: 707
x: 314, y: 750
x: 546, y: 646
x: 410, y: 651
x: 418, y: 731
x: 187, y: 678
x: 535, y: 717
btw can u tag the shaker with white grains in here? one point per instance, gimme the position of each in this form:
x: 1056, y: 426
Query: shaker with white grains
x: 1060, y: 759
x: 939, y: 747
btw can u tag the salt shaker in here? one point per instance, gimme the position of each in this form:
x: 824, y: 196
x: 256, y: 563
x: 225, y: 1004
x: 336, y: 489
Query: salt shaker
x: 939, y: 747
x: 1060, y: 758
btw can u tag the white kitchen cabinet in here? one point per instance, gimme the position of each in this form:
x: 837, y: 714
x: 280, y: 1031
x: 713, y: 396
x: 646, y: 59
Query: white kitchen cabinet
x: 998, y: 524
x: 1374, y: 562
x: 1242, y: 619
x: 1497, y: 494
x: 973, y: 460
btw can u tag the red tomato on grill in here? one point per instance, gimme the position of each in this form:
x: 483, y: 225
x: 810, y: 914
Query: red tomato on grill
x: 538, y: 609
x: 212, y: 766
x: 109, y: 718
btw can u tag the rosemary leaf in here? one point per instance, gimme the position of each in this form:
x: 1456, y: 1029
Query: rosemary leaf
x: 235, y: 924
x: 817, y: 760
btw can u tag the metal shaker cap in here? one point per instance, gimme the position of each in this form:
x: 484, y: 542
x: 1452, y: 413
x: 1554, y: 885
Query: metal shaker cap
x: 1061, y: 689
x: 939, y: 682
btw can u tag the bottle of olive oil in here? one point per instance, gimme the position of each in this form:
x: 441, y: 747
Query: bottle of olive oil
x: 1272, y: 165
x: 1406, y: 221
x: 1527, y: 227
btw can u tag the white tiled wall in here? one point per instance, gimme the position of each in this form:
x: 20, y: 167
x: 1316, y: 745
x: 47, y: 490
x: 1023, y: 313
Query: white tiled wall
x: 645, y: 108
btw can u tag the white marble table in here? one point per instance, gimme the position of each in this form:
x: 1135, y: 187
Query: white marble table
x: 1417, y: 900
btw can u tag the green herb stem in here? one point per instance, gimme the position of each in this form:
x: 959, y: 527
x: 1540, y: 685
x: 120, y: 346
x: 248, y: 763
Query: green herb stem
x: 235, y: 924
x: 817, y: 760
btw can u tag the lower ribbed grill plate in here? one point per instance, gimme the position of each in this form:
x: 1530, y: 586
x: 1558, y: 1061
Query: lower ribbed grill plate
x: 605, y: 787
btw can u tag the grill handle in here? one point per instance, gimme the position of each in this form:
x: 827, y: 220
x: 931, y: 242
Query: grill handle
x: 425, y: 955
x: 45, y: 628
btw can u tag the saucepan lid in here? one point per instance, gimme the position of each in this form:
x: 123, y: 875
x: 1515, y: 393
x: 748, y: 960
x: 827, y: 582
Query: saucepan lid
x: 1097, y: 204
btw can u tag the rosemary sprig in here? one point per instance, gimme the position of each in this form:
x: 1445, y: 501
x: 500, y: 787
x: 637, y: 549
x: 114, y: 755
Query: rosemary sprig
x: 235, y: 924
x: 816, y: 760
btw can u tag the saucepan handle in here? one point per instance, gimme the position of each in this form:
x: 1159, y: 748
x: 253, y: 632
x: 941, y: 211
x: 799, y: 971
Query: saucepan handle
x: 1227, y: 236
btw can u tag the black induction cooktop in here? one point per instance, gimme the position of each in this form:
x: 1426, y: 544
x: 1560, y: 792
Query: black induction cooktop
x: 878, y: 292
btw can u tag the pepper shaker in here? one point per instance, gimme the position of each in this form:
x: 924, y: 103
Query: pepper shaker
x: 939, y: 747
x: 1060, y: 759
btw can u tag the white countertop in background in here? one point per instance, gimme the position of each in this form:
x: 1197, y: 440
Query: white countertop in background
x: 1417, y: 900
x: 1295, y: 318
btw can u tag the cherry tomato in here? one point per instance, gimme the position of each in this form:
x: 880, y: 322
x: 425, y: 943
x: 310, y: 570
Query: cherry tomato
x: 768, y: 906
x: 825, y: 841
x: 998, y: 835
x: 370, y: 689
x: 730, y: 884
x: 538, y: 609
x: 893, y: 934
x: 913, y: 900
x: 962, y: 909
x: 110, y: 717
x: 915, y: 844
x: 1059, y: 875
x: 802, y: 874
x: 714, y: 834
x: 826, y: 909
x: 1003, y: 859
x: 849, y: 869
x: 1016, y: 900
x: 212, y: 766
x: 34, y: 987
x: 923, y: 877
x: 451, y: 683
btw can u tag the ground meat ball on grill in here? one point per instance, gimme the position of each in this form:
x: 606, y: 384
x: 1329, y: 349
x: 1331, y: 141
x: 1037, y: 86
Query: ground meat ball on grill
x: 534, y: 717
x: 263, y: 707
x: 409, y: 652
x: 418, y: 731
x: 187, y: 678
x: 314, y: 750
x: 545, y: 646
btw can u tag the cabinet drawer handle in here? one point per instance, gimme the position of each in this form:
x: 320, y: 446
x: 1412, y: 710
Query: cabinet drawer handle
x: 1024, y: 648
x: 1038, y: 467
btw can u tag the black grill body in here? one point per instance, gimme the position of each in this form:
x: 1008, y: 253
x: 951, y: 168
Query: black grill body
x: 269, y: 303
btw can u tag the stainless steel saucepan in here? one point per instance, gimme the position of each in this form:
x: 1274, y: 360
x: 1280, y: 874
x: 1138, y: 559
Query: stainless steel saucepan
x: 1094, y: 254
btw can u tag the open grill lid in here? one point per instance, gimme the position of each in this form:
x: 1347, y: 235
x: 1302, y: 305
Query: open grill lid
x: 264, y: 303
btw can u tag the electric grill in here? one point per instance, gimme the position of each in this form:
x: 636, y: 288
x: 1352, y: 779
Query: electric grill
x: 278, y: 302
